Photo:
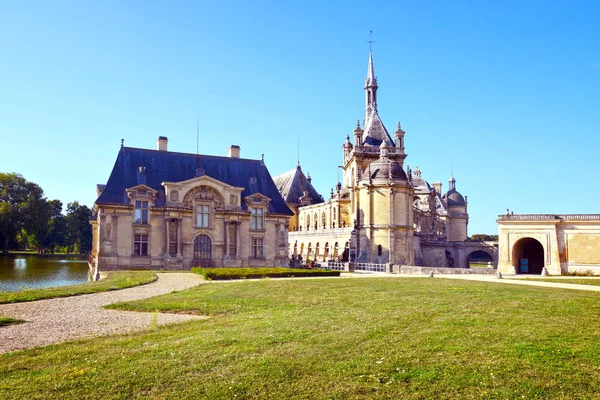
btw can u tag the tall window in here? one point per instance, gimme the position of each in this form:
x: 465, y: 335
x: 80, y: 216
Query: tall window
x: 232, y: 240
x: 257, y: 218
x: 257, y: 248
x: 202, y: 216
x: 141, y: 212
x: 140, y: 245
x: 172, y: 238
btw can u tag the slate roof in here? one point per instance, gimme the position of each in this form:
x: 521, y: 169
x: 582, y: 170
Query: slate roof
x: 292, y: 185
x: 168, y: 166
x: 375, y: 133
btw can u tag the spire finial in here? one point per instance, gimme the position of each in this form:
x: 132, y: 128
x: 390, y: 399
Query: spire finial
x: 370, y: 41
x: 122, y: 142
x: 298, y: 150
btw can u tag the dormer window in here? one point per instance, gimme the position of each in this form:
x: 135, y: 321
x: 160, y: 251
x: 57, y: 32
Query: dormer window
x: 257, y: 219
x: 141, y: 212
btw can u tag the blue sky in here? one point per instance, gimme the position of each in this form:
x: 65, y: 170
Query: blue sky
x: 509, y: 91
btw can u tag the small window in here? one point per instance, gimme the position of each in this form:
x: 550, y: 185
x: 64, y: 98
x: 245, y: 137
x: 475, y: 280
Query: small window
x: 202, y: 216
x: 141, y: 212
x: 257, y: 218
x: 257, y: 248
x: 140, y: 245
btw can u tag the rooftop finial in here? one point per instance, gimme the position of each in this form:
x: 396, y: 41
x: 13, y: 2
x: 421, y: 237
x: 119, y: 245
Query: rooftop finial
x: 370, y: 41
x: 122, y: 141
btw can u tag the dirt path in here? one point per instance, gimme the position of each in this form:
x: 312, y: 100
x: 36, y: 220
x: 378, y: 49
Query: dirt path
x: 60, y: 320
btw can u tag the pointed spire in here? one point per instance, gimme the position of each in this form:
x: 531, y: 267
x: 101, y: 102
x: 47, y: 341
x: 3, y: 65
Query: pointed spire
x: 371, y: 79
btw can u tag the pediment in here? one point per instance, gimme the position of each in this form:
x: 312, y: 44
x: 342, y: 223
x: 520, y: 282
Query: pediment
x: 203, y: 180
x: 141, y: 190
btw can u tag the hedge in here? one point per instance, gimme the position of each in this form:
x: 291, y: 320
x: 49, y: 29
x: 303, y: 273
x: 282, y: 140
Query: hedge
x: 248, y: 273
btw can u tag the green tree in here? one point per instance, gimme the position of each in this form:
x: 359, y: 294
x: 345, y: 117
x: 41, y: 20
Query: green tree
x: 79, y: 230
x: 49, y: 232
x: 481, y: 237
x: 21, y: 203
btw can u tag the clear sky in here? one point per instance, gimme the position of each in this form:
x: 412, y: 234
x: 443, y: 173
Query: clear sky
x: 509, y: 91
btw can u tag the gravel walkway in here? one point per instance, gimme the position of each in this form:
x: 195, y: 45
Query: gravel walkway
x: 64, y: 319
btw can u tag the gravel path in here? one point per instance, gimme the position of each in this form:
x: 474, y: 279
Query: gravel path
x: 64, y: 319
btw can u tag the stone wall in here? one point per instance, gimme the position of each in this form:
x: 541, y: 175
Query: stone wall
x: 571, y: 243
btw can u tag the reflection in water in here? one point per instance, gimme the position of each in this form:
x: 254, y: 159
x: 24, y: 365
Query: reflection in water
x: 31, y: 271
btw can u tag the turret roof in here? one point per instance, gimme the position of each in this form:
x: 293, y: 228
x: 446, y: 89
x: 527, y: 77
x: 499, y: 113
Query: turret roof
x: 292, y: 185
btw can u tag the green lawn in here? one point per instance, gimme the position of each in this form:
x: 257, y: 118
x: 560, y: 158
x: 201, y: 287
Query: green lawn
x: 4, y: 321
x: 114, y: 280
x: 577, y: 281
x: 409, y: 338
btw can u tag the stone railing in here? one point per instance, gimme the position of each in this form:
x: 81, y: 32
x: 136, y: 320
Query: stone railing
x: 323, y: 231
x: 370, y: 267
x: 338, y: 266
x: 549, y: 217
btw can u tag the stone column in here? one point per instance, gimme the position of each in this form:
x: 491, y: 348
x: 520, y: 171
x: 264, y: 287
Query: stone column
x: 226, y: 241
x: 277, y: 228
x: 179, y: 237
x: 115, y: 243
x: 238, y: 236
x: 167, y: 236
x: 102, y: 232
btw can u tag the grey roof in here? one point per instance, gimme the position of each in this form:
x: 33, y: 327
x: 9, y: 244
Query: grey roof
x: 375, y: 133
x: 454, y: 198
x: 152, y: 167
x: 292, y: 185
x: 381, y: 168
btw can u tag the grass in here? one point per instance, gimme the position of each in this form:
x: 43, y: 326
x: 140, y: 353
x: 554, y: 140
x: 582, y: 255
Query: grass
x: 4, y: 321
x: 249, y: 273
x: 114, y: 280
x: 575, y: 281
x: 409, y: 338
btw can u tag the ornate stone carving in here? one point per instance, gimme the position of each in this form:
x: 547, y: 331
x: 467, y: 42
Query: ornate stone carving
x: 203, y: 193
x: 233, y: 199
x: 174, y: 195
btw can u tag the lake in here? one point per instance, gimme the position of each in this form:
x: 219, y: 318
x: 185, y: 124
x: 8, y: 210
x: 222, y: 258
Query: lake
x: 31, y: 271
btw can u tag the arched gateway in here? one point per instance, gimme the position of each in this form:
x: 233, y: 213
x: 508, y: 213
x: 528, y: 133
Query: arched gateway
x: 528, y: 256
x: 203, y: 251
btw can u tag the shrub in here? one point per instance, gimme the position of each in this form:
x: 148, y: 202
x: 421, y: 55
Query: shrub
x: 249, y: 273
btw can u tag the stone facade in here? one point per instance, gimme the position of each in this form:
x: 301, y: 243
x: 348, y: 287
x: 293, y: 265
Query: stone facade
x: 177, y: 224
x: 381, y: 212
x: 556, y: 244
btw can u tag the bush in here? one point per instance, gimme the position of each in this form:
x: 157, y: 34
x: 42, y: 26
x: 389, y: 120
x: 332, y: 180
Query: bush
x: 249, y: 273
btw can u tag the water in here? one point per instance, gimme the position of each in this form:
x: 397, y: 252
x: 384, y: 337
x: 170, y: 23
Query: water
x: 27, y: 272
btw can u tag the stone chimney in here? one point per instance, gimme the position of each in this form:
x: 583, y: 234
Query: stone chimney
x: 161, y: 143
x: 437, y: 186
x: 234, y: 151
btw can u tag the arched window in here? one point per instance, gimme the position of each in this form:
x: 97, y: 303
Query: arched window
x: 326, y: 252
x: 316, y: 221
x: 301, y: 249
x: 336, y: 250
x: 379, y: 250
x: 307, y: 222
x: 323, y: 219
x: 317, y: 251
x: 308, y: 251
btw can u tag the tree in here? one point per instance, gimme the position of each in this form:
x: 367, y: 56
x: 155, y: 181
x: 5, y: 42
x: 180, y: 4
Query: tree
x: 50, y: 231
x: 481, y: 237
x: 79, y: 230
x: 21, y: 203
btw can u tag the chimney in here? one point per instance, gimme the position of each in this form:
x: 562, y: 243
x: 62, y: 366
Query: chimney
x: 234, y: 151
x: 437, y: 186
x: 161, y: 143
